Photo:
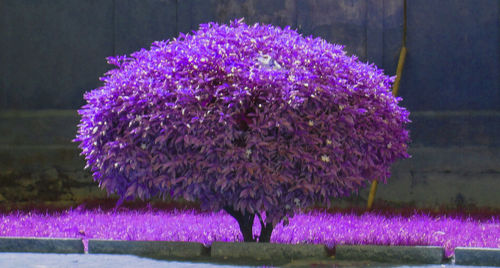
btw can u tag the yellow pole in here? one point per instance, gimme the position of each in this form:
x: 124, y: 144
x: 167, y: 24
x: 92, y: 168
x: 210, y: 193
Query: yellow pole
x: 399, y: 71
x: 371, y: 196
x: 395, y: 88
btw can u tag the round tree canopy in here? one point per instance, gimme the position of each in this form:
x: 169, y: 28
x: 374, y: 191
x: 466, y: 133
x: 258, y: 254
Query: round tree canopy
x: 257, y: 118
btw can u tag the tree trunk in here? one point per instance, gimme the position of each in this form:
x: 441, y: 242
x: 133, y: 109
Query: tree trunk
x: 246, y: 226
x: 265, y: 232
x: 244, y: 221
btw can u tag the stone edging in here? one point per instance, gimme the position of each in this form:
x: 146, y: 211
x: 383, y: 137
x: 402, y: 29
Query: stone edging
x: 252, y: 251
x: 155, y: 249
x: 41, y: 245
x: 477, y: 256
x: 267, y: 251
x: 391, y: 254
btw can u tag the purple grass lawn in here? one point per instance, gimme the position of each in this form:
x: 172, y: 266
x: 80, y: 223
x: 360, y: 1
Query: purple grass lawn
x: 314, y: 227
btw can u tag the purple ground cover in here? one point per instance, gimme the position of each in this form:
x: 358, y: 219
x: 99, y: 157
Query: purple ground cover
x: 313, y: 227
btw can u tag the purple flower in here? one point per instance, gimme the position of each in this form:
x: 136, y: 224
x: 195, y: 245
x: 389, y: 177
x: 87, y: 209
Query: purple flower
x: 316, y: 227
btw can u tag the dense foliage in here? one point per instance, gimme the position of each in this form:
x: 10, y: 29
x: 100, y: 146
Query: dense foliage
x: 251, y: 119
x: 314, y: 227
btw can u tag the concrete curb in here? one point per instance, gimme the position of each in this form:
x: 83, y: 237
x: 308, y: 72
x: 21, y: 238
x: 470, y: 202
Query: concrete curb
x: 477, y: 256
x: 263, y: 252
x: 154, y: 249
x: 267, y: 251
x: 390, y: 254
x: 41, y: 245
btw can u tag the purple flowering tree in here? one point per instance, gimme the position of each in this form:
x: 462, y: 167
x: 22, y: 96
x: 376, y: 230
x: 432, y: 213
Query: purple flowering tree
x: 256, y: 120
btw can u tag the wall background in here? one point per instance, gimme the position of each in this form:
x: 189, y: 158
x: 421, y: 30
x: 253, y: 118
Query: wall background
x: 52, y: 51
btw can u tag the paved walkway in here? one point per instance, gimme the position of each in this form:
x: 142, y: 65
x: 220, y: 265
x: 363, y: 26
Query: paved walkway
x: 48, y: 260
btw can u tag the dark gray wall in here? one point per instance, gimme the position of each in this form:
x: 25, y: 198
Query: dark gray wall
x: 52, y: 51
x: 454, y: 55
